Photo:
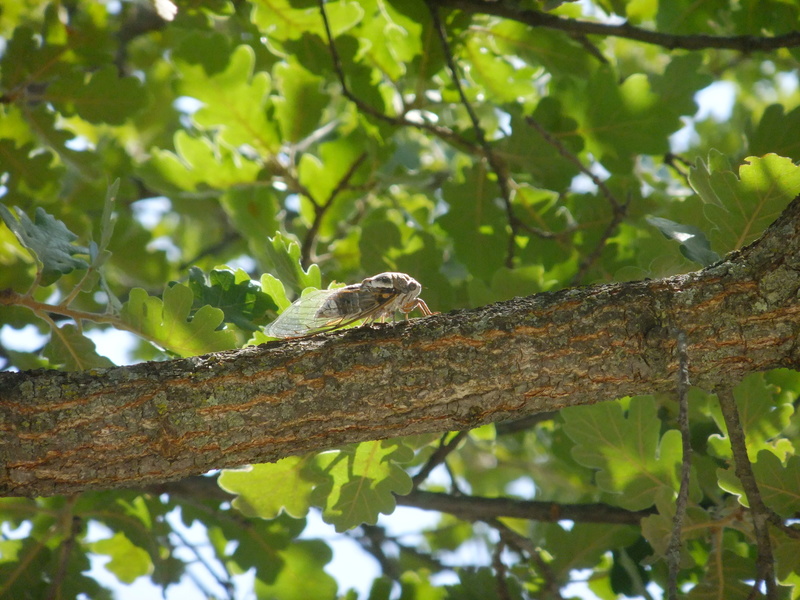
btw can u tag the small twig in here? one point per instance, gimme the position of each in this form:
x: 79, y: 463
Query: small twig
x: 761, y: 515
x: 566, y: 153
x: 500, y: 572
x: 439, y: 131
x: 214, y: 248
x: 438, y: 456
x: 320, y: 210
x: 494, y: 161
x: 675, y: 161
x: 619, y: 213
x: 674, y: 548
x: 524, y: 546
x: 224, y: 583
x: 66, y: 549
x: 618, y: 208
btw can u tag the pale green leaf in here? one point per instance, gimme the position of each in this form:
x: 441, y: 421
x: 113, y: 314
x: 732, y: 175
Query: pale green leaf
x: 283, y: 256
x: 235, y: 101
x: 49, y: 240
x: 128, y: 562
x: 266, y: 490
x: 364, y: 479
x: 166, y: 322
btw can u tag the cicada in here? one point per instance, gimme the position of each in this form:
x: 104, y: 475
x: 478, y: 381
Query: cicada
x: 376, y: 297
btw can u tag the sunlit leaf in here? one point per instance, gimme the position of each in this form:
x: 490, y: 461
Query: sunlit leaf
x: 166, y: 322
x: 128, y: 562
x: 364, y: 479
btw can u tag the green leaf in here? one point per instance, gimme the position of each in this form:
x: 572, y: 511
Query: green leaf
x: 283, y: 256
x: 635, y: 463
x: 102, y: 97
x: 167, y: 322
x: 302, y: 576
x: 527, y: 151
x: 280, y: 20
x: 300, y: 105
x: 475, y: 222
x: 638, y: 115
x: 49, y: 240
x: 364, y: 479
x: 266, y: 490
x: 694, y: 244
x: 73, y: 351
x: 32, y: 170
x: 199, y: 163
x: 240, y: 298
x: 777, y: 132
x: 778, y: 484
x: 763, y: 414
x: 235, y: 102
x: 742, y: 207
x: 253, y: 211
x: 128, y: 562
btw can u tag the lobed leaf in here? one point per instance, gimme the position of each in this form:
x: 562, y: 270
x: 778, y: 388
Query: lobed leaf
x: 49, y: 240
x: 636, y: 464
x: 166, y: 322
x: 742, y: 207
x: 283, y: 256
x: 240, y: 299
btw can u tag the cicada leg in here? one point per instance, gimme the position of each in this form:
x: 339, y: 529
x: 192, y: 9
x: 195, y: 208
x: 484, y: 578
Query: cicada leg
x: 416, y: 303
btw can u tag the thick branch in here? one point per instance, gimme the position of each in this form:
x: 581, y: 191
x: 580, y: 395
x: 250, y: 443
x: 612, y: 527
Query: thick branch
x: 134, y: 426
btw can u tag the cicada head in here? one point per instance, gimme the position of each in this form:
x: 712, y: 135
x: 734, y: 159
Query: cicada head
x: 391, y: 282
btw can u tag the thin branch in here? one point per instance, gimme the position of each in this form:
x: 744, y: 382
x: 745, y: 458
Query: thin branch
x: 438, y: 457
x: 213, y: 249
x: 441, y: 132
x: 472, y: 508
x: 321, y: 209
x: 500, y: 572
x: 525, y: 546
x: 674, y: 549
x: 741, y: 43
x: 761, y: 515
x: 618, y: 208
x: 566, y: 153
x: 588, y: 260
x: 65, y: 551
x: 494, y: 161
x: 523, y: 424
x: 223, y: 581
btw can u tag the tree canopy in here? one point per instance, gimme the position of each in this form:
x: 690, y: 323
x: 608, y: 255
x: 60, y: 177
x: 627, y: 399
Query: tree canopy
x: 179, y: 174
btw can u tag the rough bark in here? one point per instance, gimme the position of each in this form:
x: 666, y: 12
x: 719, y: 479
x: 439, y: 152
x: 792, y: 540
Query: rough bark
x: 65, y: 432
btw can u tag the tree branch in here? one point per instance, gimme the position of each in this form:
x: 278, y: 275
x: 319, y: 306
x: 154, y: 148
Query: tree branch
x: 760, y: 514
x: 63, y: 432
x: 477, y: 508
x: 740, y: 43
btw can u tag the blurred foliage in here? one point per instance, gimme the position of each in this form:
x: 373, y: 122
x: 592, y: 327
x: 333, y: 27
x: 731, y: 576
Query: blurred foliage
x: 184, y: 181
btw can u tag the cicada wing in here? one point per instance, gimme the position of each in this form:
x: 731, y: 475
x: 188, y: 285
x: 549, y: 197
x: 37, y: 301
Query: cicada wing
x: 324, y: 310
x: 301, y: 318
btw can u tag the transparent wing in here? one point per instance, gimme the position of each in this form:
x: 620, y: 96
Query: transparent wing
x: 302, y: 318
